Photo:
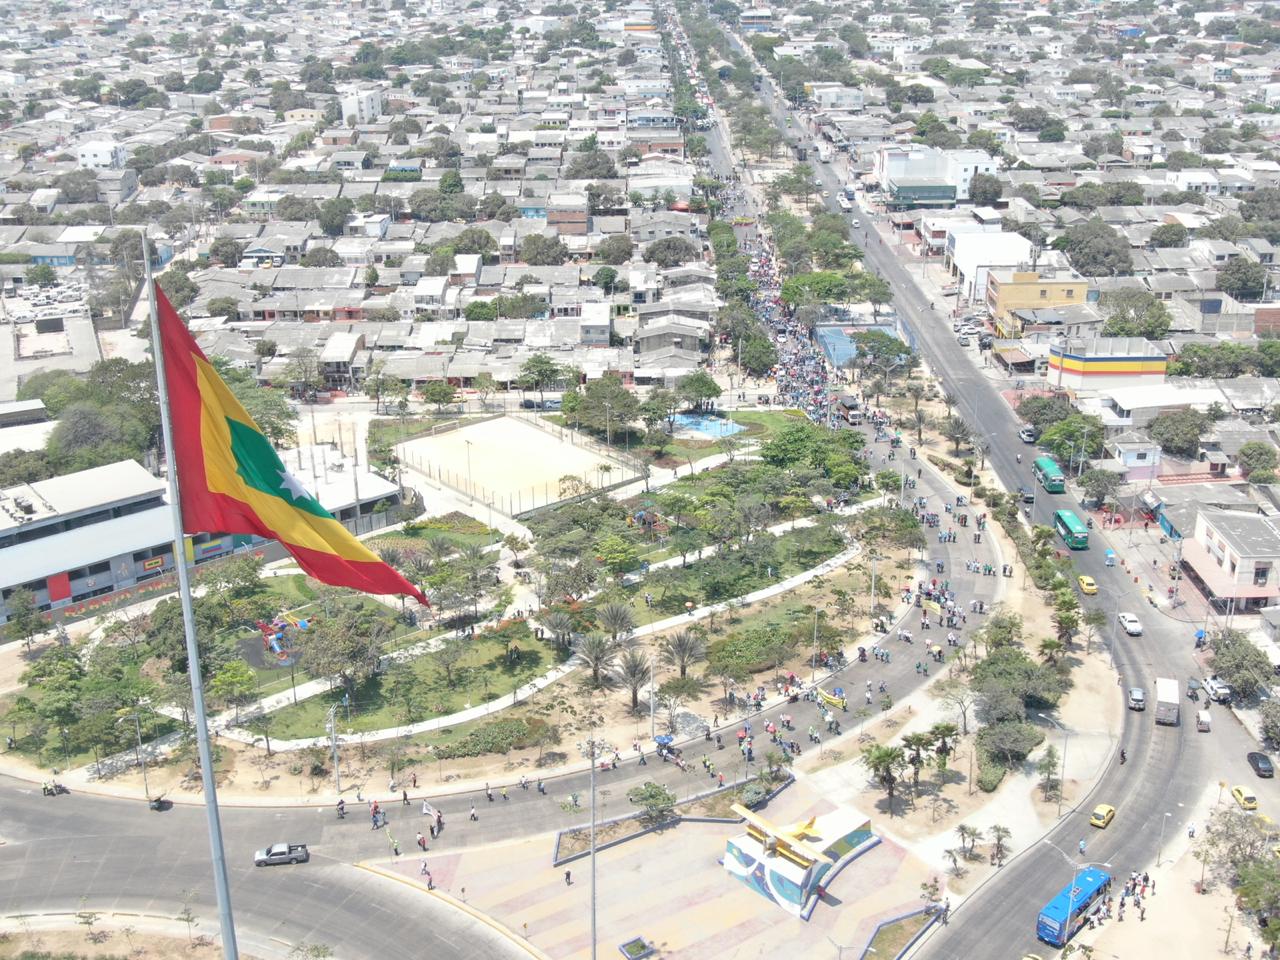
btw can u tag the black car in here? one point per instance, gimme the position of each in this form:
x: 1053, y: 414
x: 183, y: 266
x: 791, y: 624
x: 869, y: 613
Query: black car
x: 1261, y: 764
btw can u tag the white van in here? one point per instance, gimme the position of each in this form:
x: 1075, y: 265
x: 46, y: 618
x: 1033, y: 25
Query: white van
x: 1202, y: 721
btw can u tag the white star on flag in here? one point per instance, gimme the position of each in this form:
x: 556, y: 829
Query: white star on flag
x: 294, y: 486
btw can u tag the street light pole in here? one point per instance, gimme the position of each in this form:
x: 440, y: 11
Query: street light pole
x: 1160, y: 849
x: 137, y: 728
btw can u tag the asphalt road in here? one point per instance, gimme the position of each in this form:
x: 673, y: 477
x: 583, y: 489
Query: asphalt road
x: 1168, y: 767
x: 117, y: 855
x: 120, y: 856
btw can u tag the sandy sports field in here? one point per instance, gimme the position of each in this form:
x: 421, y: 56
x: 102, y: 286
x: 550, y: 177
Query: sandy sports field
x: 514, y: 465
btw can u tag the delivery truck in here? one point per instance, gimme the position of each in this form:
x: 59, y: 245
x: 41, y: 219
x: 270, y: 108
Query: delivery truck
x: 1167, y: 701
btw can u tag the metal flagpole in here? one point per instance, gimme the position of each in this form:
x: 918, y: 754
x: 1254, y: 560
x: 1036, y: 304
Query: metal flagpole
x: 230, y: 950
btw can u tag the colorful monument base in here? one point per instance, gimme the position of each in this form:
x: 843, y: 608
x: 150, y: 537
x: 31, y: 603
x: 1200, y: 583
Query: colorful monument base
x: 787, y: 864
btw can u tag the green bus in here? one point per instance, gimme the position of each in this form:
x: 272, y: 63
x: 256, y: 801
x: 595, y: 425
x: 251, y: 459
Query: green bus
x: 1071, y: 529
x: 1050, y: 475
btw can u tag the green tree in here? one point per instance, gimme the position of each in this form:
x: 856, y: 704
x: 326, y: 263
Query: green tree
x: 697, y: 389
x: 234, y: 683
x: 334, y: 214
x: 226, y: 251
x: 1096, y: 250
x: 539, y: 251
x: 606, y: 278
x: 1179, y: 431
x: 40, y: 275
x: 655, y: 800
x: 541, y: 373
x: 1135, y: 313
x: 614, y: 250
x: 984, y: 189
x: 25, y: 619
x: 886, y: 765
x: 1072, y: 438
x: 440, y: 392
x: 1243, y: 278
x: 597, y: 652
x: 1169, y: 235
x: 671, y: 252
x: 683, y: 649
x: 1256, y: 456
x: 1100, y: 485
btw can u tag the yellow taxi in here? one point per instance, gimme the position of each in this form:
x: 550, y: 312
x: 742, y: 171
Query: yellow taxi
x: 1244, y: 798
x: 1088, y: 585
x: 1103, y: 814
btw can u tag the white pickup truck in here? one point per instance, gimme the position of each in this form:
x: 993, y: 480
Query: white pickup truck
x: 1216, y: 689
x: 282, y: 853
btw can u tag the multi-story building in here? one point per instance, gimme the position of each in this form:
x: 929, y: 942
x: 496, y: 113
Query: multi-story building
x: 101, y: 155
x: 87, y: 535
x: 364, y: 103
x: 1235, y: 557
x: 1010, y: 290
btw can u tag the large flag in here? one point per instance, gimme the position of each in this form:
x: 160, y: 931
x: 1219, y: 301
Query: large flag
x: 231, y: 479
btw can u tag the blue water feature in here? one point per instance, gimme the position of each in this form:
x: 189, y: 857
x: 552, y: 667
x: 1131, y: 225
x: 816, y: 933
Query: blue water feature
x: 838, y: 344
x: 707, y: 425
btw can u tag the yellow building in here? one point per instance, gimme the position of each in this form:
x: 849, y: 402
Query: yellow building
x: 1010, y: 290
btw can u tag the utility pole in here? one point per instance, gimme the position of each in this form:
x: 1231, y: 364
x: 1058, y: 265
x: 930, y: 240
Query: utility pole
x: 332, y: 724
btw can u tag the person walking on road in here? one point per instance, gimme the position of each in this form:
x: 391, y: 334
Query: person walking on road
x: 474, y: 817
x: 568, y: 878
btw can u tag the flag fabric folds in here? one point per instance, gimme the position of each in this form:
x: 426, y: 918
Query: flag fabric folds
x: 231, y: 480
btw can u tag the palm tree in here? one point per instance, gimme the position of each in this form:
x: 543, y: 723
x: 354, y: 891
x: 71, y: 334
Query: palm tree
x: 392, y: 556
x: 944, y: 734
x: 1051, y: 649
x: 559, y: 624
x: 999, y: 834
x: 915, y: 390
x: 886, y: 765
x: 949, y: 400
x: 683, y: 649
x: 597, y: 652
x: 616, y: 618
x: 633, y: 671
x: 970, y: 834
x: 921, y: 421
x: 917, y: 743
x: 439, y: 549
x: 957, y: 431
x: 878, y: 386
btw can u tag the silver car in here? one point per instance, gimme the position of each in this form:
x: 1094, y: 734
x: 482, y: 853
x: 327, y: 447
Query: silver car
x: 1137, y: 698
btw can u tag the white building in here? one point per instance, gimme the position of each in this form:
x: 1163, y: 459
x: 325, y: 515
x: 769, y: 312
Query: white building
x: 100, y: 155
x: 972, y: 253
x: 363, y: 104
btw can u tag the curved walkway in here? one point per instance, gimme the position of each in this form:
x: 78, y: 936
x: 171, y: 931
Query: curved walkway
x: 227, y: 724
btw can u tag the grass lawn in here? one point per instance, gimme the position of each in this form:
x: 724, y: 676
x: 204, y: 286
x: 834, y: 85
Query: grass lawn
x: 392, y: 430
x: 893, y: 937
x: 456, y: 527
x: 718, y: 578
x: 483, y: 673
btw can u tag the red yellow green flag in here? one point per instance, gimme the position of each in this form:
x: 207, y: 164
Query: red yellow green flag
x: 231, y: 480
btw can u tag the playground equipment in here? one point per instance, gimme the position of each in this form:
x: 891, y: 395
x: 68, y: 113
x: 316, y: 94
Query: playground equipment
x: 276, y: 638
x: 787, y: 863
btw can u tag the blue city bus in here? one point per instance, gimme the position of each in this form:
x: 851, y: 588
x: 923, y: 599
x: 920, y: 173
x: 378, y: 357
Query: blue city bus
x: 1064, y: 915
